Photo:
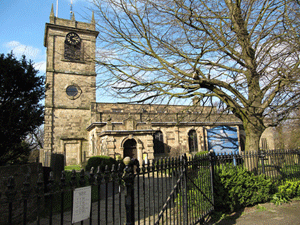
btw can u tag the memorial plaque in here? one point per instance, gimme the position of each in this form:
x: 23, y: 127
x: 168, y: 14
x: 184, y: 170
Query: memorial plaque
x: 81, y: 204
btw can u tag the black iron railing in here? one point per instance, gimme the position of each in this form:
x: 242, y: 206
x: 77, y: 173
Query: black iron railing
x: 164, y: 191
x: 275, y: 164
x: 157, y: 192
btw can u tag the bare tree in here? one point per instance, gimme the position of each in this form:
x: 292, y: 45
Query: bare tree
x: 288, y: 132
x: 35, y: 139
x: 35, y: 142
x: 243, y: 52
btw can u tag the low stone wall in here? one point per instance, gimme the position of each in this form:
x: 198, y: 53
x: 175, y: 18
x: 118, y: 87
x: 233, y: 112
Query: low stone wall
x: 19, y: 173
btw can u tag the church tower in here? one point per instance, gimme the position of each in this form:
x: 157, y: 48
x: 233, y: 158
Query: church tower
x: 70, y: 86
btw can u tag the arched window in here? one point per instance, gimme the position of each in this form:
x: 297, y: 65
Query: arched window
x: 158, y: 142
x: 193, y: 143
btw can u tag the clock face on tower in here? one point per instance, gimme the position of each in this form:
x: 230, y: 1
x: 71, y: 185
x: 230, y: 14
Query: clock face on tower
x: 73, y: 47
x: 72, y: 38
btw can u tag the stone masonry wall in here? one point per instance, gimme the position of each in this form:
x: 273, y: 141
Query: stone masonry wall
x: 67, y: 117
x: 19, y: 172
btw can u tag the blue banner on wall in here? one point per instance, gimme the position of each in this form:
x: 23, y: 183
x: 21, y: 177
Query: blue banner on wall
x: 223, y: 139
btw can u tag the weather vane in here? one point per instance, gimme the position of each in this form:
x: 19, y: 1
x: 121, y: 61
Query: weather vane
x: 71, y: 10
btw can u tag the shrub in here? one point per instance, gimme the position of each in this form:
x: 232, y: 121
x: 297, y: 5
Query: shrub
x: 286, y: 191
x: 236, y: 187
x: 101, y: 161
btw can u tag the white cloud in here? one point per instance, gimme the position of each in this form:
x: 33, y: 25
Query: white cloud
x: 40, y: 66
x: 20, y: 49
x: 30, y: 52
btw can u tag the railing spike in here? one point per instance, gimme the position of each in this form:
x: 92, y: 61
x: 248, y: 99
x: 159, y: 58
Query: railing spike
x: 106, y: 174
x: 63, y: 180
x: 73, y: 179
x: 50, y: 185
x: 99, y: 176
x: 11, y: 192
x: 92, y: 176
x: 82, y: 178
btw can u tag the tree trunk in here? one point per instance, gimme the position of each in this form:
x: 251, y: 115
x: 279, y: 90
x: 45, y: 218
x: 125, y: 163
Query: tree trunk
x: 253, y: 130
x: 252, y: 138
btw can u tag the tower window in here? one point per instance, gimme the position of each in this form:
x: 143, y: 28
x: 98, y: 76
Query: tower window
x: 73, y: 91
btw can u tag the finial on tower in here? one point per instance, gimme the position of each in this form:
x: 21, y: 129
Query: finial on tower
x: 52, y: 12
x: 93, y: 18
x: 52, y: 15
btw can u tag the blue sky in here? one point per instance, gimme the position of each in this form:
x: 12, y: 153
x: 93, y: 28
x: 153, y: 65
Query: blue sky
x: 22, y: 28
x: 22, y: 25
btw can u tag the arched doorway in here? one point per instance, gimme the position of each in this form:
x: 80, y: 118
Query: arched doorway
x: 130, y: 148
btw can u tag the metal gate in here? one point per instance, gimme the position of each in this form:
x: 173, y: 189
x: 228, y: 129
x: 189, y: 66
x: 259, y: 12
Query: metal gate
x: 191, y: 198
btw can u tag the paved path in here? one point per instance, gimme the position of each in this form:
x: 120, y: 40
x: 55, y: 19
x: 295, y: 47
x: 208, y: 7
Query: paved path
x: 265, y: 214
x: 115, y: 214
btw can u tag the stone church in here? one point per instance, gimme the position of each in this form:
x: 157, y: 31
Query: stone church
x: 79, y: 127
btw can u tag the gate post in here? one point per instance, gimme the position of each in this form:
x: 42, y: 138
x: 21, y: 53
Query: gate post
x: 212, y: 159
x: 185, y: 191
x: 128, y: 178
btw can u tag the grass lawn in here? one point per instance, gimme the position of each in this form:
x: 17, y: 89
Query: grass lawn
x: 73, y: 167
